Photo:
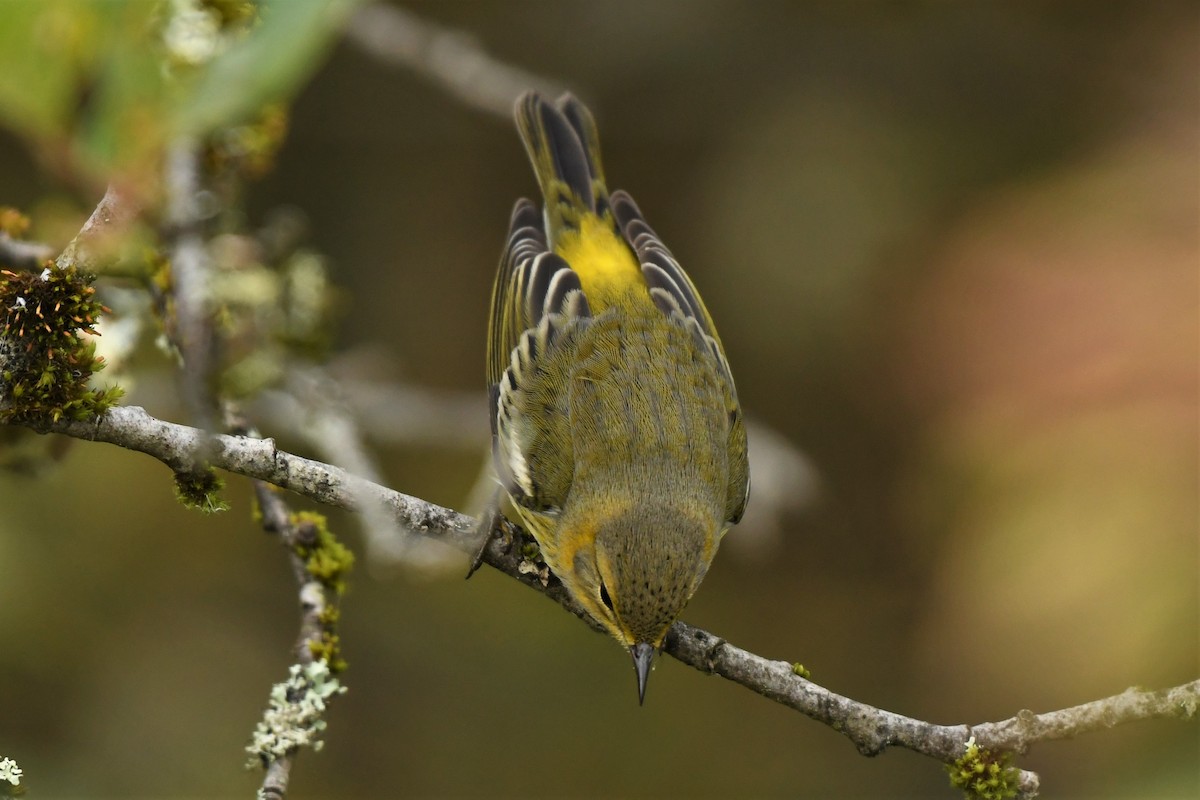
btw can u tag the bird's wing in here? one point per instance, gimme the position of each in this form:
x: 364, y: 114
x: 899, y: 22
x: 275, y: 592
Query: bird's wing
x: 538, y: 310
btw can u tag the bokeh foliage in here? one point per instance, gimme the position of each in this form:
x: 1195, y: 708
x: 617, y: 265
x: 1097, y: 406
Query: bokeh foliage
x: 103, y: 86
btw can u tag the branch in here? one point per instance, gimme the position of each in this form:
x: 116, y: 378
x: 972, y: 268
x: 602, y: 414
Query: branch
x: 191, y: 266
x: 178, y: 446
x: 872, y: 730
x: 91, y: 248
x: 277, y: 519
x: 313, y: 405
x: 1026, y: 728
x: 293, y: 721
x: 449, y: 58
x: 21, y: 254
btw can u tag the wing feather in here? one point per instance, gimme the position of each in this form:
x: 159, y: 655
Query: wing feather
x: 657, y: 262
x: 538, y: 306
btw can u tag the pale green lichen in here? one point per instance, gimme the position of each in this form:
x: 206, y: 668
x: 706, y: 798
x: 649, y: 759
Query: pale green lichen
x: 10, y: 778
x: 294, y: 714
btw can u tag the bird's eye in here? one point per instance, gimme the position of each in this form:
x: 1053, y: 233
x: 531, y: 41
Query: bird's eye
x: 604, y: 598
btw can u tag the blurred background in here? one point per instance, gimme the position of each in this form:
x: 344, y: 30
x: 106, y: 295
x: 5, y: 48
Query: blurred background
x: 953, y: 251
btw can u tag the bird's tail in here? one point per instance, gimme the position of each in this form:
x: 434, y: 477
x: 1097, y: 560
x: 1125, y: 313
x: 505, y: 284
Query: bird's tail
x: 564, y: 148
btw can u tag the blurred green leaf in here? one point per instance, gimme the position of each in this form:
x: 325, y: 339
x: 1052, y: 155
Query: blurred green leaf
x: 271, y: 62
x: 46, y: 49
x: 91, y: 82
x: 123, y: 124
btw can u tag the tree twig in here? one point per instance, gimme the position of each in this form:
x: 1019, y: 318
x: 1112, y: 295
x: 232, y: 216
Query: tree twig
x: 176, y: 446
x: 1019, y: 732
x: 871, y: 730
x: 91, y: 247
x: 313, y: 406
x: 276, y: 519
x: 190, y: 274
x: 21, y: 254
x: 314, y: 600
x: 448, y: 57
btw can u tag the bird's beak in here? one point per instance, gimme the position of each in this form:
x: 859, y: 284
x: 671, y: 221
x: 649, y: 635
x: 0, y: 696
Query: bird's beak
x: 643, y: 654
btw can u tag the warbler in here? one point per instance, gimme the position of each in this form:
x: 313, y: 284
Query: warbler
x: 617, y: 436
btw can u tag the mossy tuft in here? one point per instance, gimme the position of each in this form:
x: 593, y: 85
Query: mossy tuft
x: 47, y: 354
x: 200, y: 491
x: 983, y: 775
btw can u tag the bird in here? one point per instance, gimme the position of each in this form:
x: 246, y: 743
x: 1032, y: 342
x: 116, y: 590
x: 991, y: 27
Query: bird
x: 618, y: 441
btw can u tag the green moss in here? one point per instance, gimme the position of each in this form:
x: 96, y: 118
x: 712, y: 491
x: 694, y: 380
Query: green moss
x: 329, y: 650
x: 983, y: 775
x: 328, y: 562
x: 45, y: 357
x: 200, y: 491
x: 326, y: 559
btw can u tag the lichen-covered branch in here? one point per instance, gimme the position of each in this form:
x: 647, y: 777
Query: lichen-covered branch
x: 319, y: 564
x: 316, y: 627
x: 176, y: 446
x: 1026, y: 728
x: 872, y: 730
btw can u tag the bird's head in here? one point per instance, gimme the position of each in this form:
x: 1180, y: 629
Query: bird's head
x: 635, y: 570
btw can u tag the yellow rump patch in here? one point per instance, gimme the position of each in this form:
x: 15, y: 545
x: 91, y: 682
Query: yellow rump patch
x: 605, y: 264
